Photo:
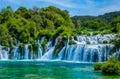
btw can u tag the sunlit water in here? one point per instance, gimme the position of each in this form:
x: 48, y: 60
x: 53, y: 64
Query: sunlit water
x: 49, y: 70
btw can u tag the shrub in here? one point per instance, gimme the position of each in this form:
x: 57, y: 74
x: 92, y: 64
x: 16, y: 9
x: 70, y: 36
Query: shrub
x: 97, y: 66
x: 96, y: 32
x: 110, y: 68
x: 71, y: 42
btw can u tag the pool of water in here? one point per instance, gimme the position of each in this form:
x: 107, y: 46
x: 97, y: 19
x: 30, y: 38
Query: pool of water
x: 49, y: 70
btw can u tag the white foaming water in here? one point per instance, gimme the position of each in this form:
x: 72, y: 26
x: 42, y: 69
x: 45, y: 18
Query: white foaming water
x: 48, y: 55
x: 86, y: 49
x: 98, y: 39
x: 85, y: 53
x: 4, y: 53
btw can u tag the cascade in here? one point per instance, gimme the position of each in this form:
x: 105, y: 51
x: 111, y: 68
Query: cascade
x: 87, y: 49
x: 4, y: 53
x: 85, y: 53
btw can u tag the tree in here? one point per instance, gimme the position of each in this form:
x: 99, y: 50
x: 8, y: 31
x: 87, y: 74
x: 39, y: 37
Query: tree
x: 116, y: 24
x: 22, y: 11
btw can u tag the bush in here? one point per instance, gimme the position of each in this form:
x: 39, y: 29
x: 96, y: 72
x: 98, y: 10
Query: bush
x: 110, y: 68
x: 96, y: 32
x: 71, y: 42
x: 97, y: 66
x: 85, y: 32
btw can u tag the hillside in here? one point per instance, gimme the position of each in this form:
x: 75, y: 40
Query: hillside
x: 101, y: 22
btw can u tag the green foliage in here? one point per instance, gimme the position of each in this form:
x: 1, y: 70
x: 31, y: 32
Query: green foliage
x: 65, y: 32
x: 21, y: 49
x: 116, y: 24
x: 28, y: 25
x: 30, y: 48
x: 24, y: 37
x: 85, y: 32
x: 71, y: 42
x: 44, y: 44
x: 97, y: 66
x: 35, y: 49
x: 117, y: 44
x: 96, y: 32
x: 110, y: 67
x: 107, y: 23
x: 4, y: 35
x: 93, y: 25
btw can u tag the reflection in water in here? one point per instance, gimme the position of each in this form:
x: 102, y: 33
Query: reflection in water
x: 49, y: 70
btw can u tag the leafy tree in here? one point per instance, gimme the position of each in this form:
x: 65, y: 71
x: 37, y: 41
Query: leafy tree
x: 116, y: 24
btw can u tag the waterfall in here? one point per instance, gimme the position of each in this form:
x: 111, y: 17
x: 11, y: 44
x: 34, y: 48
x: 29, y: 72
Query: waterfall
x: 85, y: 53
x: 87, y: 49
x: 26, y: 56
x: 16, y: 54
x: 48, y: 55
x: 4, y: 53
x: 39, y: 53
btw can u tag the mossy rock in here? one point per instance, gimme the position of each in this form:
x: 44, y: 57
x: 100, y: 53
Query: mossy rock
x: 35, y: 49
x: 21, y: 49
x: 58, y: 47
x: 44, y: 45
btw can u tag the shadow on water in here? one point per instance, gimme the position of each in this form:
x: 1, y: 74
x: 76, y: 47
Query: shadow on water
x: 49, y: 70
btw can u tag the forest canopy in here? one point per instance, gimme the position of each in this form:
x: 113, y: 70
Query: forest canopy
x: 28, y: 25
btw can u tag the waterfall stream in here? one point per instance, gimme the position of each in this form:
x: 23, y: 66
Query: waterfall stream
x: 87, y: 49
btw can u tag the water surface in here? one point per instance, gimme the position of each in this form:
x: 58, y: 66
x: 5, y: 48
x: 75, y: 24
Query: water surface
x: 49, y: 70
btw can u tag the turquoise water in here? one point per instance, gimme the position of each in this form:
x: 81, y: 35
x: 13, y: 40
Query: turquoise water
x: 49, y: 70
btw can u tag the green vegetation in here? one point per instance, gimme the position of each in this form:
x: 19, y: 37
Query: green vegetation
x: 44, y: 44
x: 28, y: 25
x: 97, y: 66
x: 110, y: 67
x: 103, y: 24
